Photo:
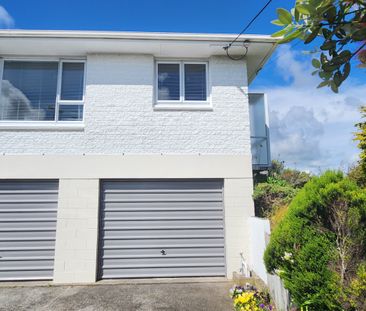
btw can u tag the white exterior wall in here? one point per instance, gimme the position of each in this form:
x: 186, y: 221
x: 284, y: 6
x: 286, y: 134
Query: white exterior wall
x: 239, y: 207
x: 77, y: 231
x: 119, y: 116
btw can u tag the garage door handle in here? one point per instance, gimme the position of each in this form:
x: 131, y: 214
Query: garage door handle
x: 163, y: 252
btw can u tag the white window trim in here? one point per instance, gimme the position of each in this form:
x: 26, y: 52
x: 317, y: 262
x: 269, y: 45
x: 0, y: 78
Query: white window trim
x: 182, y: 104
x: 48, y: 125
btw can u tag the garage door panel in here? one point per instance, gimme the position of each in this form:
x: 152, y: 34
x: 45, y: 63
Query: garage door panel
x: 28, y: 213
x: 163, y: 206
x: 166, y: 224
x: 129, y: 263
x: 121, y: 234
x: 137, y: 185
x: 164, y: 243
x: 43, y: 235
x: 163, y: 196
x: 28, y: 206
x: 27, y: 216
x: 185, y: 271
x: 45, y: 252
x: 28, y: 225
x: 38, y: 273
x: 112, y: 253
x: 162, y: 215
x: 27, y: 264
x: 162, y: 228
x: 27, y: 243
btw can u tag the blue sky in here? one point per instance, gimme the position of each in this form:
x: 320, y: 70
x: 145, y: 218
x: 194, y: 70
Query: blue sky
x: 311, y: 129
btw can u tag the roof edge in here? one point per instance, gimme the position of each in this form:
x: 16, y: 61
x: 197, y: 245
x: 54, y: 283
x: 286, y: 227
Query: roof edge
x: 131, y: 35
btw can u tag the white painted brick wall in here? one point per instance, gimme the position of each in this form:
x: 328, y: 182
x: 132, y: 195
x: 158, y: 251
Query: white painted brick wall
x: 119, y: 115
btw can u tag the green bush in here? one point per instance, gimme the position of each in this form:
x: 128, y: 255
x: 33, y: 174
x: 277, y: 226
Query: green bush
x: 275, y: 191
x: 270, y: 196
x: 319, y: 243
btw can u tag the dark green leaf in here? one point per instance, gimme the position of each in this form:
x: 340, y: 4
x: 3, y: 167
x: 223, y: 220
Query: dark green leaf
x: 312, y: 35
x: 322, y: 84
x: 325, y: 75
x: 346, y: 71
x: 337, y: 78
x: 328, y: 45
x: 326, y: 33
x: 334, y: 87
x: 359, y: 35
x: 314, y: 72
x: 330, y: 14
x: 316, y: 63
x: 342, y: 58
x: 329, y: 67
x: 284, y: 16
x: 297, y: 15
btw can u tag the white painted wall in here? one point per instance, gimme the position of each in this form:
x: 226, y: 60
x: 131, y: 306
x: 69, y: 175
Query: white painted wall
x: 258, y: 228
x: 77, y: 231
x: 119, y: 115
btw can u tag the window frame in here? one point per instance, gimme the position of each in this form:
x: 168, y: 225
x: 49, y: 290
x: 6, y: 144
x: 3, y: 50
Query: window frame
x: 56, y: 123
x: 181, y: 104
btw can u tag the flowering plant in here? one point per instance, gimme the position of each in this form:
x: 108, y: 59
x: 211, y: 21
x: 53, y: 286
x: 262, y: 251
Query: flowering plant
x: 248, y: 298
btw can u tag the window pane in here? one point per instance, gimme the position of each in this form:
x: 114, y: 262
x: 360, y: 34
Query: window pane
x: 72, y: 85
x: 70, y: 113
x: 195, y: 82
x: 28, y: 91
x: 168, y: 82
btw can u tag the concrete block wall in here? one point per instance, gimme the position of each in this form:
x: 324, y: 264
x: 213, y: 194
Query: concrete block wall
x: 77, y: 231
x: 120, y: 116
x: 239, y: 207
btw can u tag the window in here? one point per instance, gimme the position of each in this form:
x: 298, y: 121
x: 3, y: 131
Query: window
x: 42, y: 91
x: 181, y: 82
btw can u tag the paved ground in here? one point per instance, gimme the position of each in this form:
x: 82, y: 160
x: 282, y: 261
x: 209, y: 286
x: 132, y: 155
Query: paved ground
x: 208, y: 296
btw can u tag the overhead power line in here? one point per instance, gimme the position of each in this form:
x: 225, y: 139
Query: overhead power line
x: 244, y: 30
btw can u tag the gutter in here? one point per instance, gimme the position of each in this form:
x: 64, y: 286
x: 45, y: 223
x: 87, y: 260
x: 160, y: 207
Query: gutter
x: 133, y: 35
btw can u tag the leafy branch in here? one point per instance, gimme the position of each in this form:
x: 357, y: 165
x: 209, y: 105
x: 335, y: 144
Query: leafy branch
x: 338, y: 26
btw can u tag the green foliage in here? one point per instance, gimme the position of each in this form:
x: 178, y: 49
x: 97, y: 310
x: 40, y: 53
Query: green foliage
x: 275, y: 191
x: 357, y: 289
x: 357, y: 175
x: 361, y: 138
x: 338, y: 24
x: 319, y: 242
x: 271, y: 195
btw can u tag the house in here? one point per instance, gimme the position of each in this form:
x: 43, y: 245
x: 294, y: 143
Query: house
x: 127, y: 155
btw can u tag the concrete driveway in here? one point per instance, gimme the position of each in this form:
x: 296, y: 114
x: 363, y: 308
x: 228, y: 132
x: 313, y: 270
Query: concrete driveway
x: 173, y: 295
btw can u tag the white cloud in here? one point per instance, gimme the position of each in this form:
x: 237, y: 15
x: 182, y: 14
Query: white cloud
x: 6, y: 21
x: 312, y: 128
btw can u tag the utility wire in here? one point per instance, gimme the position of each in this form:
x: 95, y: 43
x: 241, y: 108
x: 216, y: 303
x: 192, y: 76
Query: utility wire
x: 248, y: 25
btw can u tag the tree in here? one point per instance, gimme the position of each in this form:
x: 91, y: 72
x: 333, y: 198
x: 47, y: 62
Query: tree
x: 319, y: 247
x: 341, y: 27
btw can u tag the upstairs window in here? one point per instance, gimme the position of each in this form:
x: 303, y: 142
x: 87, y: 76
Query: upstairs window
x: 42, y: 90
x: 181, y: 82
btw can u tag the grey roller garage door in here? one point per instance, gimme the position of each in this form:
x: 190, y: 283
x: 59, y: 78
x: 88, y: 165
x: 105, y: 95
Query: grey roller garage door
x: 161, y: 229
x: 28, y: 211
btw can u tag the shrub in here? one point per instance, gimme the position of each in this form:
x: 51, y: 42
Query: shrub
x: 271, y: 195
x: 319, y: 243
x: 277, y: 189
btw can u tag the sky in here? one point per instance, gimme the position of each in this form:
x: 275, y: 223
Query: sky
x: 311, y: 129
